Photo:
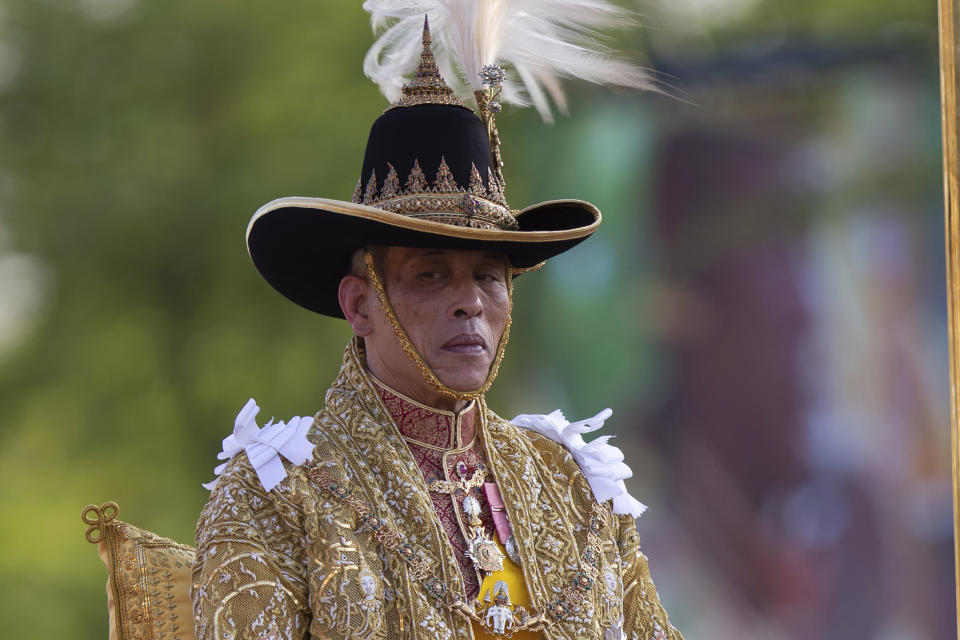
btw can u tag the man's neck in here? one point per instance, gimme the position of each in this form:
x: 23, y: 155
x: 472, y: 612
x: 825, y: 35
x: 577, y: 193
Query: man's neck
x: 413, y: 385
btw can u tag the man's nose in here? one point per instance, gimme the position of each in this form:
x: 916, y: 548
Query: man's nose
x: 467, y: 302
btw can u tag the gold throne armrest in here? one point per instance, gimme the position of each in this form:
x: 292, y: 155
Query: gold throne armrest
x: 148, y: 578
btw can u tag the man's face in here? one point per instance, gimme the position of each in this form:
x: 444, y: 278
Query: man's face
x: 454, y: 307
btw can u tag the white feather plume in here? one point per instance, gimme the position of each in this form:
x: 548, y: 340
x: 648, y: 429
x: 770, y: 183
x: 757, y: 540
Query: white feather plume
x: 537, y: 41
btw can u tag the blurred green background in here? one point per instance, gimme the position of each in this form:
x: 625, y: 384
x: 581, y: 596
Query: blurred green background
x: 763, y: 306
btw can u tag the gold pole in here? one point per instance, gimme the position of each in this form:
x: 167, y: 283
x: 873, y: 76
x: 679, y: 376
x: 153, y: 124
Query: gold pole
x: 949, y: 18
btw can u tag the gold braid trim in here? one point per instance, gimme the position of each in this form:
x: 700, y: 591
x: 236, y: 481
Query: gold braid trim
x: 521, y: 270
x: 99, y: 518
x: 415, y: 356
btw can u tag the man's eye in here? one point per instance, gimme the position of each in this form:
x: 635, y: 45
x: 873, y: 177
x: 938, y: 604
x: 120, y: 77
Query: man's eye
x: 488, y: 277
x: 429, y: 275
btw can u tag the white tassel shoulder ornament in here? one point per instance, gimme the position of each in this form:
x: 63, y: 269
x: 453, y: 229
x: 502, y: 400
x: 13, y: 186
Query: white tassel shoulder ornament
x: 265, y: 446
x: 602, y: 463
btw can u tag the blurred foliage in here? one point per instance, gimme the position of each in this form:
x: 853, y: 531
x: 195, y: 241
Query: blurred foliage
x: 138, y: 137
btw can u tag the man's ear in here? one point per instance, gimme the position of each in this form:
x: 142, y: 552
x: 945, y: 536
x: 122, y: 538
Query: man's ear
x: 354, y: 295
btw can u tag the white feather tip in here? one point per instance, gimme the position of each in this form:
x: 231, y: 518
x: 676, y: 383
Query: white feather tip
x: 539, y: 42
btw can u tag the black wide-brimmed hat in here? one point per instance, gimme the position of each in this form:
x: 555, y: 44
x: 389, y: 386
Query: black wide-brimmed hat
x: 431, y: 178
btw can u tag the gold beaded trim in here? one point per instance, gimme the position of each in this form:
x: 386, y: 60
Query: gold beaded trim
x: 479, y: 205
x: 462, y: 211
x: 556, y: 610
x: 415, y: 356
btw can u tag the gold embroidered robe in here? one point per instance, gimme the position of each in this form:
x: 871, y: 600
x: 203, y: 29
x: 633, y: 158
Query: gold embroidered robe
x: 295, y: 563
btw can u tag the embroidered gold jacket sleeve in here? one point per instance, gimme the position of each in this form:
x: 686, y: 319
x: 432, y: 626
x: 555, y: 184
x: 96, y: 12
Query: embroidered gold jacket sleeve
x: 296, y: 562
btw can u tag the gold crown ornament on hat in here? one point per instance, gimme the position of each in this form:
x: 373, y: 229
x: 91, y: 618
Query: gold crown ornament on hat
x: 427, y: 85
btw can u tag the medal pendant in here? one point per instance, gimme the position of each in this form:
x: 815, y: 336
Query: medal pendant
x: 484, y: 553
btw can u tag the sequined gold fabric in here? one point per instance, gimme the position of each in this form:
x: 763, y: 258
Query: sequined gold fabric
x: 296, y: 561
x: 148, y: 578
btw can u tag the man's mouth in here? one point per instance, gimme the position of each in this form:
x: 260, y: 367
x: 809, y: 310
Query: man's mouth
x: 466, y: 343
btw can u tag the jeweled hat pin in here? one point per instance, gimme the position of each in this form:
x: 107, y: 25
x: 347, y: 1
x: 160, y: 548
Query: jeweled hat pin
x: 432, y: 174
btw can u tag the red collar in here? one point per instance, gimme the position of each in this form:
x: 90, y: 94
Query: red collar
x: 428, y: 426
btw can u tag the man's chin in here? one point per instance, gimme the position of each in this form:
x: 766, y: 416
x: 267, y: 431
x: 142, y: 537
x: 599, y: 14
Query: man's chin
x: 460, y: 382
x: 464, y: 386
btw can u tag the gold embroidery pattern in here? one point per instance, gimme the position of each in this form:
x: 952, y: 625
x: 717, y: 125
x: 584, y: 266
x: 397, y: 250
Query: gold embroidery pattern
x: 295, y: 559
x: 371, y: 191
x: 391, y: 185
x: 476, y: 183
x: 445, y: 201
x: 416, y: 181
x: 642, y: 610
x: 248, y: 580
x: 444, y: 182
x: 391, y: 539
x: 457, y: 210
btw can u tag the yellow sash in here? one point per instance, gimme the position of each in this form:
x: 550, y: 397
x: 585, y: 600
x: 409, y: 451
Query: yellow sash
x: 513, y: 576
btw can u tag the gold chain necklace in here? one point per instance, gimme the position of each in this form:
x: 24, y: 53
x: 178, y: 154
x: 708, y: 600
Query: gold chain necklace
x: 421, y: 568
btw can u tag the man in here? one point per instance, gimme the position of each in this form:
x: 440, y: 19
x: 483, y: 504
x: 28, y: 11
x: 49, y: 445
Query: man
x: 454, y: 306
x: 406, y: 508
